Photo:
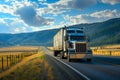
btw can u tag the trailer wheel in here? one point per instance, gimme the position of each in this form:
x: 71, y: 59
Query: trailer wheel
x: 55, y: 53
x: 61, y: 55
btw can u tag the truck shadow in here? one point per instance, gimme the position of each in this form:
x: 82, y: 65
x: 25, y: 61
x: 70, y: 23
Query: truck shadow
x: 96, y: 62
x: 81, y: 61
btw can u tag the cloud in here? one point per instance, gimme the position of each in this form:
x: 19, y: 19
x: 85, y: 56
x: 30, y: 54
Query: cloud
x: 107, y: 14
x: 7, y: 0
x: 51, y: 11
x: 112, y: 2
x: 72, y: 4
x: 24, y: 29
x: 16, y: 30
x: 29, y: 16
x: 2, y: 21
x: 26, y: 11
x: 9, y: 25
x: 4, y: 27
x: 66, y: 5
x: 6, y: 9
x: 94, y: 17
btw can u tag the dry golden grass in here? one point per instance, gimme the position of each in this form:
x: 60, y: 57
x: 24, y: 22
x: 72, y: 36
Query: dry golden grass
x: 18, y: 48
x: 5, y: 64
x: 34, y: 67
x: 50, y: 48
x: 10, y: 58
x: 110, y: 50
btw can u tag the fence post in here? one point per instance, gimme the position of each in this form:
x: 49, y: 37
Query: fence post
x: 21, y: 56
x: 2, y: 63
x: 12, y: 58
x: 7, y: 61
x: 16, y: 58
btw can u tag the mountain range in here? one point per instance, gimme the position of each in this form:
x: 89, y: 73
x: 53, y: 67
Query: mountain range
x: 101, y: 33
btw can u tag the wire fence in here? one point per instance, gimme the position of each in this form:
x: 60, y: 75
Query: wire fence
x: 10, y: 58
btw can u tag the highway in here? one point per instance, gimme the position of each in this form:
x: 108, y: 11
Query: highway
x: 101, y: 68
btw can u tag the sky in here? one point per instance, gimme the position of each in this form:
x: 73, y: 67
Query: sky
x: 22, y: 16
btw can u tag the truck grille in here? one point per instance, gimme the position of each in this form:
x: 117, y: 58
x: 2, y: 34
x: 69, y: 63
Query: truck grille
x: 80, y: 47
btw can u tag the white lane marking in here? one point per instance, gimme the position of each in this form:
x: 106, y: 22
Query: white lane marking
x: 72, y: 68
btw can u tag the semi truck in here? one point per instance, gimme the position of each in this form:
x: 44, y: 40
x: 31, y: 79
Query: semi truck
x: 72, y: 43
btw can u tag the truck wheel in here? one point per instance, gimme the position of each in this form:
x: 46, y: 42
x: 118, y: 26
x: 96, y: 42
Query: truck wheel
x: 68, y: 58
x: 89, y: 60
x: 55, y: 54
x: 61, y: 55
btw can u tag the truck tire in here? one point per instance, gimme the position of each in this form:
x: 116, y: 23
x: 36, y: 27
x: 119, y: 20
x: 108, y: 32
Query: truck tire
x: 61, y: 55
x: 68, y: 58
x: 55, y: 53
x: 89, y: 60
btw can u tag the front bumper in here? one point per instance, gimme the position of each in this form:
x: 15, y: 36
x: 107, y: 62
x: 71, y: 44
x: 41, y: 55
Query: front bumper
x: 80, y: 56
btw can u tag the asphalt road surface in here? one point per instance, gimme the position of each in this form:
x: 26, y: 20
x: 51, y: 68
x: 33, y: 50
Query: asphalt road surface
x: 101, y: 68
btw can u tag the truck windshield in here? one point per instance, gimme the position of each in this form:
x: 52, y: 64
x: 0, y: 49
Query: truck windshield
x: 78, y: 31
x: 70, y: 31
x: 77, y: 38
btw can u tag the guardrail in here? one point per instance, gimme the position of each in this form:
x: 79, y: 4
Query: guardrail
x: 106, y: 52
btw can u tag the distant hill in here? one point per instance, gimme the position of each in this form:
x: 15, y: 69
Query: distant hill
x: 102, y: 33
x: 40, y: 38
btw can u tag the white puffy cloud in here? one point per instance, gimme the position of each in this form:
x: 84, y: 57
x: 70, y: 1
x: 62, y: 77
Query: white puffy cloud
x: 51, y: 11
x: 24, y: 29
x: 6, y: 9
x: 66, y: 5
x: 27, y: 12
x: 19, y: 30
x: 11, y: 25
x: 6, y: 0
x: 16, y: 30
x: 6, y: 21
x: 2, y: 21
x: 29, y: 16
x: 94, y: 17
x: 72, y: 4
x: 107, y: 14
x: 112, y: 2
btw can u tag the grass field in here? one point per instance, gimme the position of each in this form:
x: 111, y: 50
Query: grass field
x: 34, y: 67
x: 50, y: 48
x: 8, y: 59
x: 19, y: 48
x: 108, y: 50
x: 12, y: 55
